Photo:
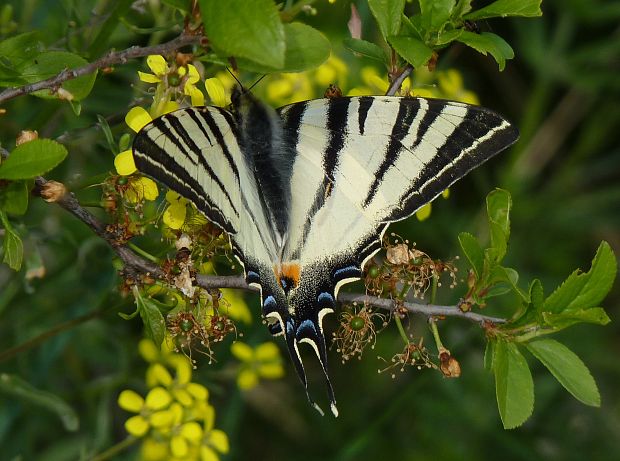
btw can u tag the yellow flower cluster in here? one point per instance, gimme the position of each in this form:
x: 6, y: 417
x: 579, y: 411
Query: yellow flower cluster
x: 174, y: 420
x: 262, y: 362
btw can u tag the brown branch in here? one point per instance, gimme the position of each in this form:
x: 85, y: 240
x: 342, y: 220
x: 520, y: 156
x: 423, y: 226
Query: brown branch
x: 114, y: 57
x: 139, y: 264
x: 398, y: 80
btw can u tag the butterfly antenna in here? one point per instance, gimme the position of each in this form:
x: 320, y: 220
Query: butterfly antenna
x: 257, y: 82
x: 236, y: 79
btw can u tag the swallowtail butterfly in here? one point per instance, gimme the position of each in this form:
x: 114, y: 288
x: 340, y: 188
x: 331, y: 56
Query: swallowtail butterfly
x: 306, y: 192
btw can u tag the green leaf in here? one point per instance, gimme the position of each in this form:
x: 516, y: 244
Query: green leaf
x: 414, y: 51
x: 154, y: 323
x: 489, y: 352
x: 107, y: 132
x: 306, y: 48
x: 15, y: 52
x: 461, y: 8
x: 582, y: 291
x: 513, y: 385
x: 567, y: 368
x: 498, y: 211
x: 596, y: 315
x: 250, y: 30
x: 388, y: 14
x: 14, y: 386
x: 503, y: 8
x: 365, y: 48
x: 487, y: 42
x: 531, y: 311
x: 32, y: 159
x: 14, y: 197
x: 473, y: 252
x: 51, y: 63
x: 447, y: 37
x: 505, y: 276
x: 12, y: 245
x: 435, y: 13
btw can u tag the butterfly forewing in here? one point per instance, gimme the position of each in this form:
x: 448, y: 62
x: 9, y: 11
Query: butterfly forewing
x: 194, y: 151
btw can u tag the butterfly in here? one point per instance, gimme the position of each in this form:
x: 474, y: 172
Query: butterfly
x: 306, y: 192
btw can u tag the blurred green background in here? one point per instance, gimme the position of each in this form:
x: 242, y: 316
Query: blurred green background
x: 562, y: 90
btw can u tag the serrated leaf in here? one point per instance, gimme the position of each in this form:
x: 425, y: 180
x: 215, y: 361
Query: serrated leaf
x: 447, y: 37
x: 503, y: 8
x: 530, y: 312
x: 12, y: 245
x: 306, y: 48
x: 15, y: 52
x: 567, y: 368
x: 32, y: 159
x: 154, y: 323
x: 507, y: 276
x: 435, y: 13
x: 499, y: 204
x: 16, y: 387
x: 388, y: 14
x: 513, y: 385
x: 365, y: 48
x: 49, y: 64
x: 250, y: 30
x: 487, y: 42
x: 14, y: 198
x: 412, y: 26
x: 414, y: 51
x: 596, y: 315
x: 584, y: 290
x: 473, y: 252
x: 461, y: 8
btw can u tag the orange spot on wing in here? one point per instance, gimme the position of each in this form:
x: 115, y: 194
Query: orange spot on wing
x: 291, y: 271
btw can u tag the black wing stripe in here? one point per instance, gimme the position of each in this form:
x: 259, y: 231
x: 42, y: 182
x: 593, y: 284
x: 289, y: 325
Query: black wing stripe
x: 155, y: 162
x: 166, y: 131
x: 177, y: 126
x: 365, y: 102
x: 479, y: 137
x: 200, y: 125
x: 337, y: 118
x: 219, y: 138
x: 407, y: 111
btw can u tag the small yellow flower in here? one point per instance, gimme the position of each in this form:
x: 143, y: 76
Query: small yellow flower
x: 183, y: 434
x: 214, y: 441
x: 289, y: 88
x: 423, y: 213
x: 262, y: 362
x: 217, y: 93
x: 189, y: 86
x: 373, y: 83
x: 174, y: 215
x: 184, y: 391
x: 152, y: 411
x: 160, y: 69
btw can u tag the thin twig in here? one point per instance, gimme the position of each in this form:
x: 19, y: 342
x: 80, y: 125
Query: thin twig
x: 138, y: 264
x: 398, y: 81
x: 114, y: 57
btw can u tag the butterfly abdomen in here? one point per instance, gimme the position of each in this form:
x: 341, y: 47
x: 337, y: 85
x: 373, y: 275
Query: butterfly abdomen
x: 261, y: 140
